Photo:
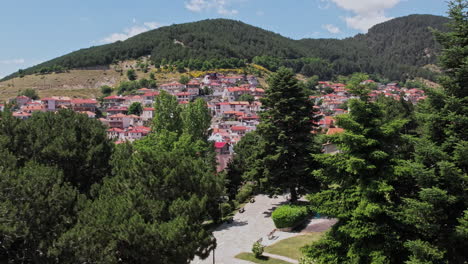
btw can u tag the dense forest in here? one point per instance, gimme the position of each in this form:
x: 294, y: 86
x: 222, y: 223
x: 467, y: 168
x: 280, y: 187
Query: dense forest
x: 396, y: 49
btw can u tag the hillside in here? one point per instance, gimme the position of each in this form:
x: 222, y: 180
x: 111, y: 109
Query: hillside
x: 391, y: 49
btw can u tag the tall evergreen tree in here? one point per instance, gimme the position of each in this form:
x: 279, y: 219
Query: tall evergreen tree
x: 358, y: 187
x: 286, y: 129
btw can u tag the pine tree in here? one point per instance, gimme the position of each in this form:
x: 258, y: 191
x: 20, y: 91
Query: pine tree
x: 358, y: 187
x: 286, y: 129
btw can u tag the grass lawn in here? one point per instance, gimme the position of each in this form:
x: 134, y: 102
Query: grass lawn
x: 291, y: 247
x: 265, y: 260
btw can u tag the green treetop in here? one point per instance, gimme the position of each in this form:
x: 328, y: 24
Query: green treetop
x: 135, y: 109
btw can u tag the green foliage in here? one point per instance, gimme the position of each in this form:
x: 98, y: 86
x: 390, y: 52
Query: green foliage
x: 160, y: 192
x: 245, y: 192
x: 258, y: 249
x: 289, y: 215
x: 73, y: 142
x: 131, y: 75
x: 395, y: 49
x: 184, y: 79
x: 135, y: 109
x: 167, y: 115
x: 226, y: 209
x: 106, y: 90
x: 286, y: 130
x: 357, y: 87
x: 454, y: 57
x: 246, y: 98
x: 196, y: 119
x: 36, y: 206
x: 415, y: 84
x: 398, y: 198
x: 206, y: 91
x: 31, y: 93
x: 243, y: 165
x: 132, y: 86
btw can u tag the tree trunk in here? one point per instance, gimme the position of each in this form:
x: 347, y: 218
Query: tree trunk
x: 293, y: 194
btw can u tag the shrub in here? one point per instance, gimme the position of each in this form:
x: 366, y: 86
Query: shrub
x: 245, y: 192
x: 289, y: 215
x: 257, y: 249
x: 225, y: 209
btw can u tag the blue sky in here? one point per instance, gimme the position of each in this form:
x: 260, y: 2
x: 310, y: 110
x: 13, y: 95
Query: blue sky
x: 35, y: 31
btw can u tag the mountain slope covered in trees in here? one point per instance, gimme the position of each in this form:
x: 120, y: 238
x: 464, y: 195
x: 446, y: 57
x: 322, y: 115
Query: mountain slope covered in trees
x: 391, y: 49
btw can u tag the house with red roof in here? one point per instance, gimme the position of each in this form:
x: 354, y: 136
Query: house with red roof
x: 82, y: 105
x: 149, y: 98
x: 330, y: 147
x: 327, y: 122
x: 117, y: 110
x: 144, y: 90
x: 33, y: 107
x: 113, y: 100
x: 172, y: 87
x: 222, y: 148
x: 240, y: 130
x: 22, y: 115
x: 193, y: 87
x: 148, y: 113
x: 130, y: 99
x: 114, y: 133
x: 233, y: 93
x: 118, y: 121
x: 184, y: 96
x: 22, y: 100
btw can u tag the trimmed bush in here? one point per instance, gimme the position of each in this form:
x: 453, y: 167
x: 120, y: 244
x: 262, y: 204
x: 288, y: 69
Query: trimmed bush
x: 289, y: 215
x: 257, y: 249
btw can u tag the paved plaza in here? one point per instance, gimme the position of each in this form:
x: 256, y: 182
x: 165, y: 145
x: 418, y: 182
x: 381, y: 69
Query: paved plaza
x: 250, y: 226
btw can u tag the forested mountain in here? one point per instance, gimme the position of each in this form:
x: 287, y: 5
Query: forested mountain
x: 392, y: 49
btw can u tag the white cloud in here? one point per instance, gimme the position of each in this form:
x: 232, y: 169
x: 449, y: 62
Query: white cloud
x: 332, y: 28
x: 366, y: 12
x: 323, y: 4
x: 260, y: 13
x: 220, y: 6
x: 12, y: 61
x: 130, y: 32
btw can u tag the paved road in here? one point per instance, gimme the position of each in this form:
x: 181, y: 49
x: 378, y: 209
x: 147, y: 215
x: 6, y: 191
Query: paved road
x: 250, y: 226
x: 247, y: 228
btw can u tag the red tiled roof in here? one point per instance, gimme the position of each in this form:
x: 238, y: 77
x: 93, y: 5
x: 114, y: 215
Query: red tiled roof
x: 238, y: 128
x: 336, y: 130
x: 118, y: 130
x: 83, y: 101
x: 219, y: 145
x: 151, y: 94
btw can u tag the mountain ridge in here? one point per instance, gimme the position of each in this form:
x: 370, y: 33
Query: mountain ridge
x: 406, y: 37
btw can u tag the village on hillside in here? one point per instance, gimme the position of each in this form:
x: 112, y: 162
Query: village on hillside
x: 234, y: 101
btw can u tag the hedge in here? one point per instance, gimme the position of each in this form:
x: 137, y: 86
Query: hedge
x: 289, y: 215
